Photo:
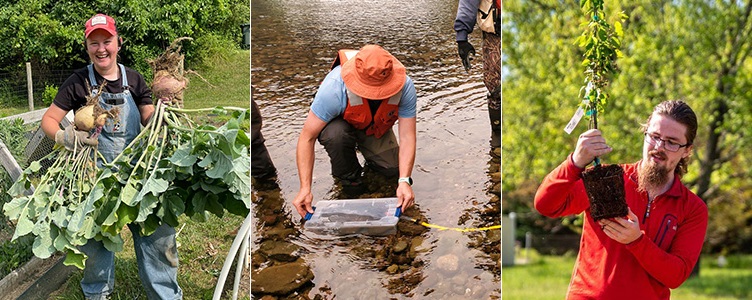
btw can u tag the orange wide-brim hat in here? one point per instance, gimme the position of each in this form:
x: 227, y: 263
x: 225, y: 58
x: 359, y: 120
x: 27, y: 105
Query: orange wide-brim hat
x: 373, y: 73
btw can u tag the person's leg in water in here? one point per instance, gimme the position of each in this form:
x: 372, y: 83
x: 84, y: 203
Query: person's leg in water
x: 381, y: 154
x: 492, y: 80
x: 340, y: 141
x: 262, y: 167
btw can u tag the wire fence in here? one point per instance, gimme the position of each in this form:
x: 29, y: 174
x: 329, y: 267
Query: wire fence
x: 14, y: 85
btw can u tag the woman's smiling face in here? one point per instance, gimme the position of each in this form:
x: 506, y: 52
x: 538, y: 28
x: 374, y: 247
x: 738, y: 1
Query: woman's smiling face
x: 102, y: 48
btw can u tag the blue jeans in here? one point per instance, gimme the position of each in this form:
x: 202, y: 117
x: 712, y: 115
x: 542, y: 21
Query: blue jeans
x: 157, y: 258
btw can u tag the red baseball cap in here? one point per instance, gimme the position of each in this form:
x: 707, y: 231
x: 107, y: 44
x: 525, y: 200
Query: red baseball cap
x: 100, y: 21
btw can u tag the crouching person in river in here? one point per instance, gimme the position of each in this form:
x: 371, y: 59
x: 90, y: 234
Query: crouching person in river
x: 357, y: 104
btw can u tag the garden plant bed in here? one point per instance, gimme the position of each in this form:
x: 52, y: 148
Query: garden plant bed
x: 36, y: 279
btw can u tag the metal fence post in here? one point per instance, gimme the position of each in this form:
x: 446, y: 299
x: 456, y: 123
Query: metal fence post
x: 29, y: 86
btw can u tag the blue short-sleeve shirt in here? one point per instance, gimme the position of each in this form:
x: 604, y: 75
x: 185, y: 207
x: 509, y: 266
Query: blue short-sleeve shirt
x: 331, y: 98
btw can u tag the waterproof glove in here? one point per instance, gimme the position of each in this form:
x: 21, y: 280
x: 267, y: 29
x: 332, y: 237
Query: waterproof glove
x: 72, y: 138
x: 464, y: 48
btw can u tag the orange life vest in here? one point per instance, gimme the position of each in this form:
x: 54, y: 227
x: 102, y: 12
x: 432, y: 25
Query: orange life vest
x: 358, y: 111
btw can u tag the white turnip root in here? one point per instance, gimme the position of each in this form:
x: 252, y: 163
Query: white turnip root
x: 84, y: 118
x: 92, y: 115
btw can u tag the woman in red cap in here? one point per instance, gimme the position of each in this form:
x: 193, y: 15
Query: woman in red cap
x: 125, y: 89
x: 357, y: 104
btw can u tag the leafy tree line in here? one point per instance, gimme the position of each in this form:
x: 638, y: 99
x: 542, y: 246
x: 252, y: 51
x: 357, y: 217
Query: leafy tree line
x: 50, y: 32
x: 693, y: 50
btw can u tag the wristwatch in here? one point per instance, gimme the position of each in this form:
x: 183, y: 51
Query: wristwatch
x: 409, y: 180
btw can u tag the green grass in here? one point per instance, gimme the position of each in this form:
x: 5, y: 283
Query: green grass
x: 203, y: 245
x: 547, y: 277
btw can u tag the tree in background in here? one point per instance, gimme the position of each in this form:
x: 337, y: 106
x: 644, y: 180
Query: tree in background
x: 48, y: 32
x: 692, y: 50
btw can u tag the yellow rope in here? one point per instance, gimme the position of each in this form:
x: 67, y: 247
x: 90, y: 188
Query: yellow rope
x: 450, y: 228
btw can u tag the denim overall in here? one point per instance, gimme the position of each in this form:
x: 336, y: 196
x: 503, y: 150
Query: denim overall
x: 156, y: 254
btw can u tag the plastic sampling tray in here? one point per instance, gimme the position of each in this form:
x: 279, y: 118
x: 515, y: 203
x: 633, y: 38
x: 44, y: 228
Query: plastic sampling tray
x: 373, y: 216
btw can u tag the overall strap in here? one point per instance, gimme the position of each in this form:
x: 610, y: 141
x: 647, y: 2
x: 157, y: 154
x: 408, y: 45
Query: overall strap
x: 124, y: 77
x: 92, y: 78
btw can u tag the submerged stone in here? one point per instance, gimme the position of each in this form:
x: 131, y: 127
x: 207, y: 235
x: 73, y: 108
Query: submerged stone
x: 280, y: 280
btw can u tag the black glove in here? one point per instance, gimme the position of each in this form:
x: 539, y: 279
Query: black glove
x: 72, y: 138
x: 464, y: 48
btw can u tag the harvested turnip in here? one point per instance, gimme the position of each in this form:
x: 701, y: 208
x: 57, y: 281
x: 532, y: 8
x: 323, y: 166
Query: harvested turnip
x: 92, y: 115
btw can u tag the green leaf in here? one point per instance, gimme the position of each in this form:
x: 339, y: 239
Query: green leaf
x: 73, y: 258
x: 183, y: 157
x: 34, y: 166
x: 150, y: 225
x: 89, y: 228
x: 126, y: 215
x: 23, y: 227
x: 213, y: 205
x: 61, y: 242
x: 43, y: 247
x: 172, y: 207
x: 618, y: 30
x: 76, y: 220
x: 113, y: 243
x: 129, y: 192
x: 16, y: 207
x: 236, y: 207
x: 155, y: 186
x: 213, y: 187
x: 198, y: 206
x: 146, y: 207
x: 60, y: 217
x: 218, y: 164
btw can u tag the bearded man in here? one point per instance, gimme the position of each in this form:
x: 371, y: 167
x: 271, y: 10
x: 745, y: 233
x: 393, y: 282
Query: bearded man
x: 655, y: 247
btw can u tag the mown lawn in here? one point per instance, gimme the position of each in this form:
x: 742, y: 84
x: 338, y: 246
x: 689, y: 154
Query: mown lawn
x: 202, y: 246
x: 547, y: 277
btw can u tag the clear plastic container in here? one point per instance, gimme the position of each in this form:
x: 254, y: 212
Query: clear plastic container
x: 374, y: 217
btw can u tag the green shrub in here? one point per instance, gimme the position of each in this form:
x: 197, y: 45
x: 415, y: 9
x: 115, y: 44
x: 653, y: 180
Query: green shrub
x: 49, y: 94
x: 51, y: 32
x: 14, y: 254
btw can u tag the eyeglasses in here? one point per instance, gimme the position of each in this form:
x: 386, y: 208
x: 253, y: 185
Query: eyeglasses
x: 667, y: 144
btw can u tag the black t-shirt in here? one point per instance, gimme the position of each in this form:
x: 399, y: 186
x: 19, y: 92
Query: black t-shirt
x: 72, y: 93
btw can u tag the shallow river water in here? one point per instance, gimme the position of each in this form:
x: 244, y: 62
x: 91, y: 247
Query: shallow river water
x: 293, y: 43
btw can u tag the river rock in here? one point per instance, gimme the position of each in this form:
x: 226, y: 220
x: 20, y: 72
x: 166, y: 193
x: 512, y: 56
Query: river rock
x: 497, y: 152
x: 415, y: 246
x: 496, y: 189
x: 277, y: 232
x: 495, y: 177
x: 279, y: 250
x: 281, y: 279
x: 392, y: 269
x: 448, y: 262
x: 400, y: 246
x: 494, y: 236
x: 410, y: 228
x: 270, y: 220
